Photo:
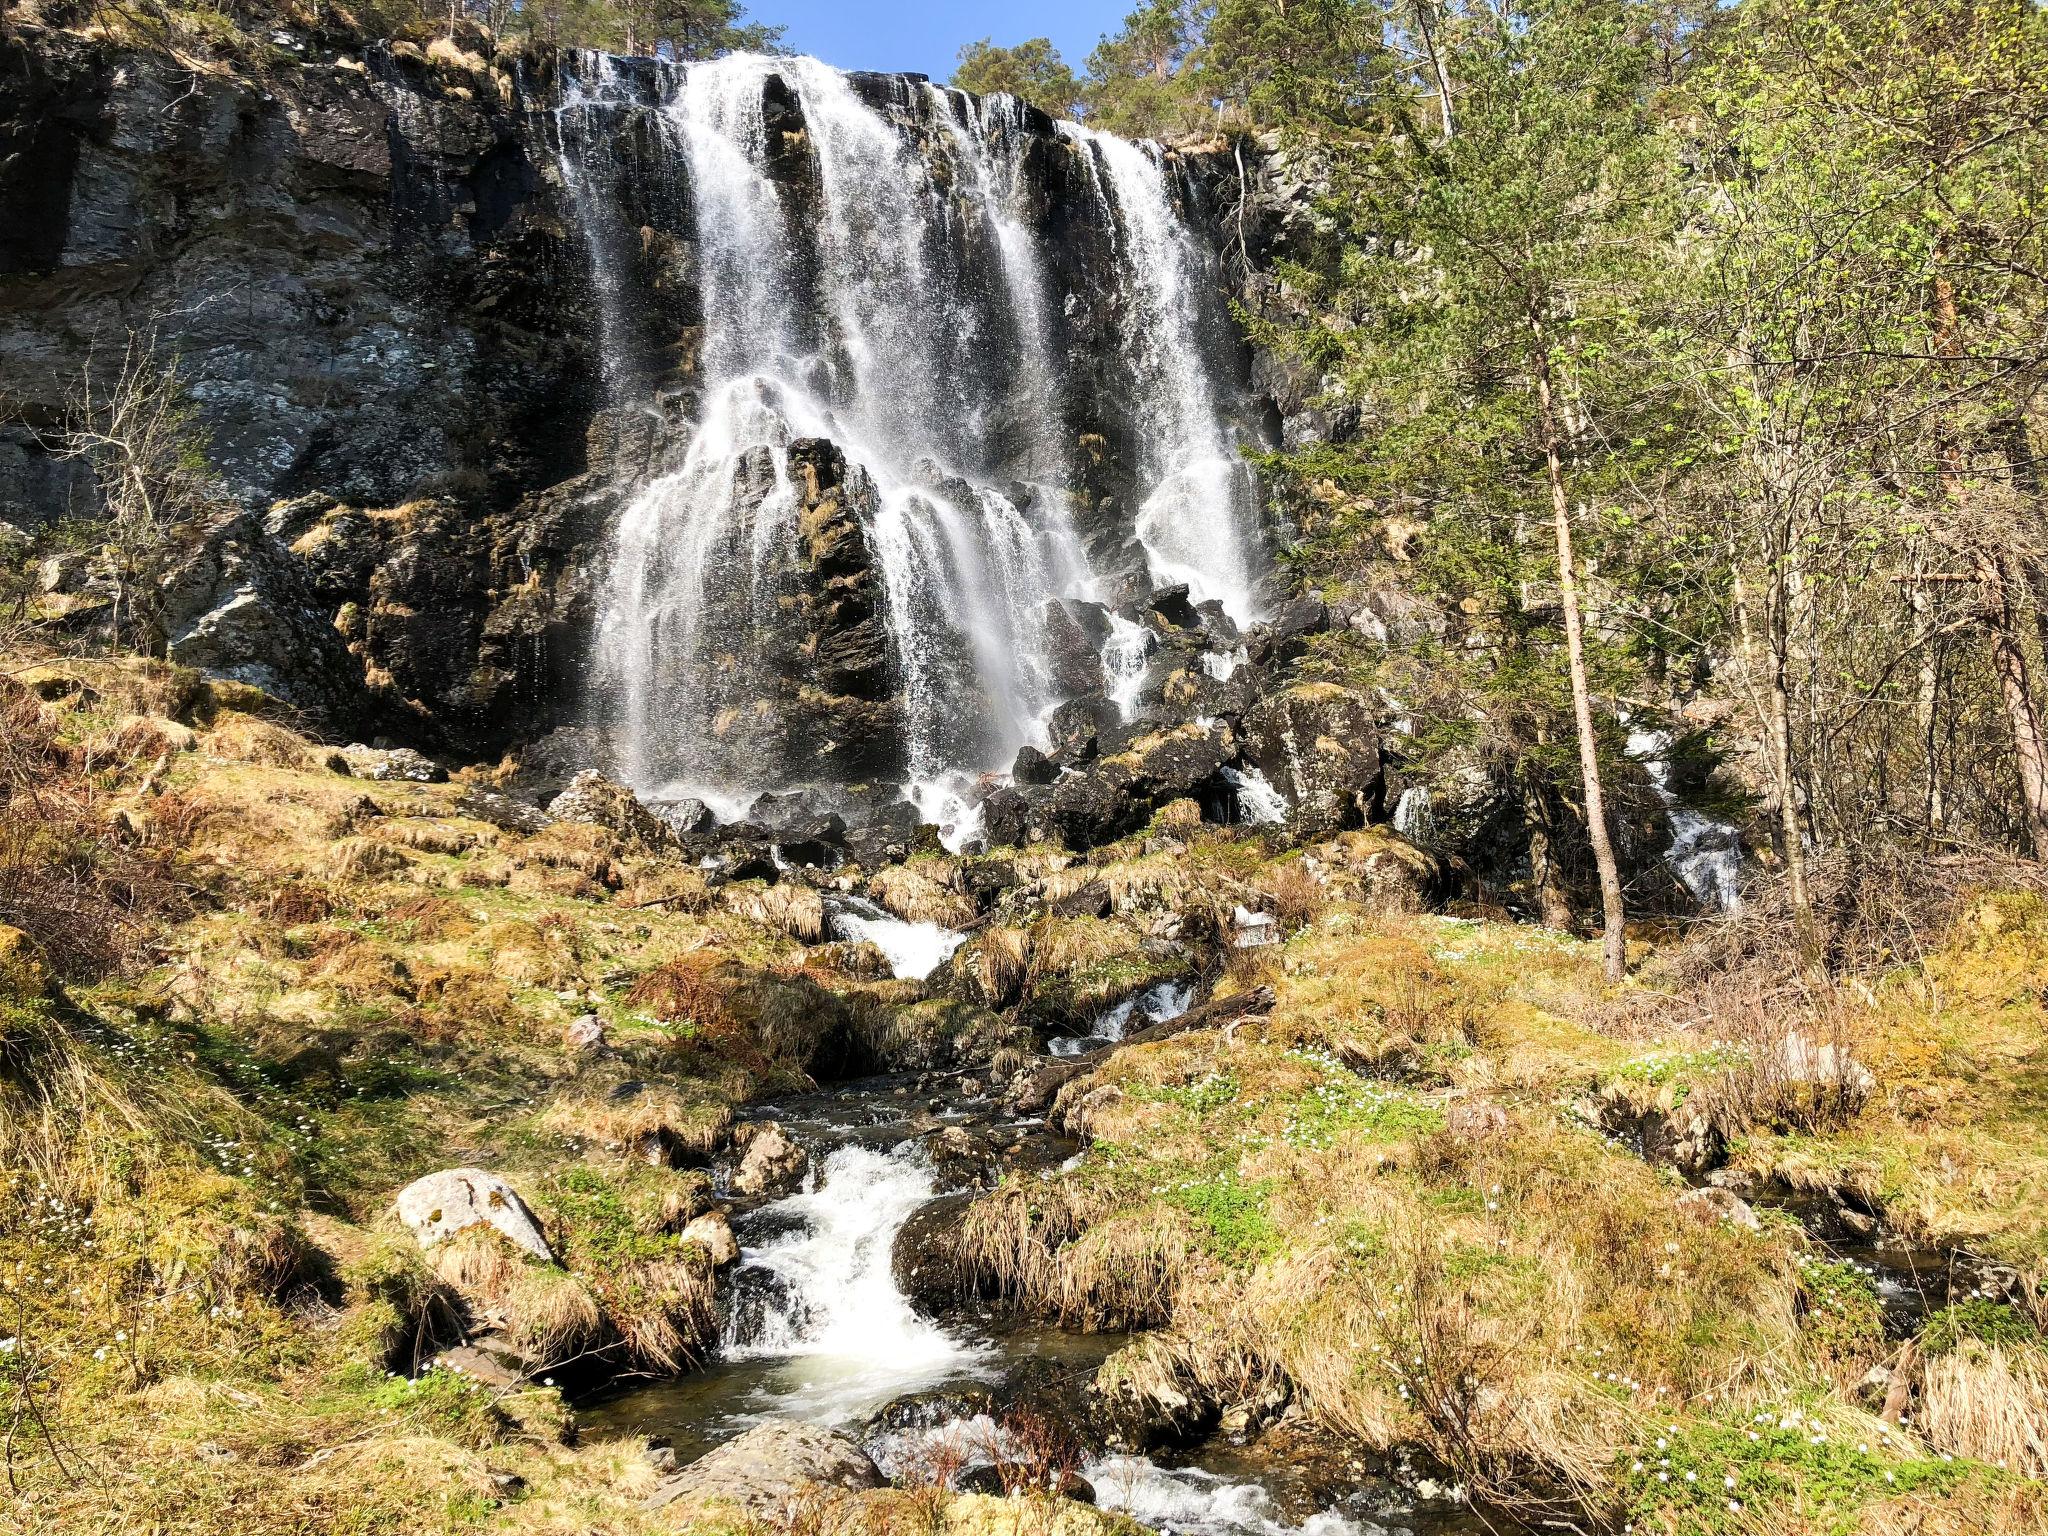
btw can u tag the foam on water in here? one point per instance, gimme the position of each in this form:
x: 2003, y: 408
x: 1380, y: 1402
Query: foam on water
x: 836, y: 1313
x: 1192, y: 1502
x: 913, y: 950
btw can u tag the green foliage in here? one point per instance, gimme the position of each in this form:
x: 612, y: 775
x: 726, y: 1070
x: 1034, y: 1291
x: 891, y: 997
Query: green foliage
x: 1980, y: 1320
x: 1032, y: 71
x: 1344, y: 1105
x: 603, y: 1230
x: 1842, y: 1315
x: 1236, y: 1224
x: 1707, y: 1475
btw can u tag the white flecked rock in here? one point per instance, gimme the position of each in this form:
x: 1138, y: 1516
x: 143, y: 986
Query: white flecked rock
x: 456, y: 1199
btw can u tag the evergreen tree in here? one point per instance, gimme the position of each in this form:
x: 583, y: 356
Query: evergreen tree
x: 1514, y: 267
x: 1032, y: 71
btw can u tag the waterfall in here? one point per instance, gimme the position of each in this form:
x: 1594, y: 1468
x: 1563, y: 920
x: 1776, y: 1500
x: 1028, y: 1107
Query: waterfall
x: 873, y: 267
x: 1705, y: 854
x: 1195, y: 523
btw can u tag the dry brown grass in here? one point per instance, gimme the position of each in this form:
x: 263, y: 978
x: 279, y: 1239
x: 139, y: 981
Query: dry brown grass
x: 924, y: 891
x: 660, y: 1125
x: 994, y: 964
x: 246, y: 739
x: 85, y: 888
x: 786, y: 907
x: 1989, y: 1402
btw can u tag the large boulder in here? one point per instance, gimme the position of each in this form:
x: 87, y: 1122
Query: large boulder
x: 440, y: 1205
x: 766, y: 1471
x: 1319, y: 745
x: 926, y: 1258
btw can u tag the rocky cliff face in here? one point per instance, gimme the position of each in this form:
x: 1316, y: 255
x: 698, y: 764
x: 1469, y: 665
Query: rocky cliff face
x: 380, y: 316
x: 391, y: 312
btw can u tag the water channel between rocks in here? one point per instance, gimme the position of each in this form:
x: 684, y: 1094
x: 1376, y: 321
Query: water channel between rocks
x: 816, y: 1328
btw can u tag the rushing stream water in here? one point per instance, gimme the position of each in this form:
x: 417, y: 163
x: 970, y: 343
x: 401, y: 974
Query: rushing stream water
x: 816, y: 1328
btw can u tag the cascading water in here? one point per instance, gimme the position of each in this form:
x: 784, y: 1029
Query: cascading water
x: 1195, y: 523
x: 1705, y: 854
x: 834, y: 1310
x: 873, y: 267
x: 1167, y: 1000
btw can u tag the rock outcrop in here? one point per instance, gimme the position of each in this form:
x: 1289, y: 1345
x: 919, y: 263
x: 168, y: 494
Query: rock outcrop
x: 765, y: 1471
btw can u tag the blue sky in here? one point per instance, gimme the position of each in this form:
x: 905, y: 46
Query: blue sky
x: 927, y: 35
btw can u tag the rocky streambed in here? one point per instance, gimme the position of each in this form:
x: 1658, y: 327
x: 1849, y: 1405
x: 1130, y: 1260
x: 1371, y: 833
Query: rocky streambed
x: 819, y: 1329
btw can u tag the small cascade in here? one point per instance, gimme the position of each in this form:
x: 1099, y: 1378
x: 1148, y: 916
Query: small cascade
x: 1259, y: 804
x: 1705, y: 854
x: 1414, y: 813
x: 913, y: 950
x: 830, y: 1304
x: 1223, y: 665
x: 1124, y: 655
x: 1167, y: 1000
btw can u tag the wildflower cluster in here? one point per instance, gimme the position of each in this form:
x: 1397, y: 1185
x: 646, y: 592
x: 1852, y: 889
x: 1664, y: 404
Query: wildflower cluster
x: 1203, y: 1096
x: 1343, y: 1103
x: 1680, y: 1069
x: 1706, y: 1474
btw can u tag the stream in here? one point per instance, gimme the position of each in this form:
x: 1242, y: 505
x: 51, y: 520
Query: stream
x: 816, y: 1328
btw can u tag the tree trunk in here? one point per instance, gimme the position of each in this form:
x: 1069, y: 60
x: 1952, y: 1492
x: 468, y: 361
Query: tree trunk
x: 1436, y: 64
x: 1777, y: 713
x: 1613, y: 919
x: 2016, y: 687
x: 1927, y: 702
x: 2008, y: 658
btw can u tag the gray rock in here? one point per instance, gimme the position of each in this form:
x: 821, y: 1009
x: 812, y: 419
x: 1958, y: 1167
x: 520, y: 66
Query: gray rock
x: 585, y: 1033
x: 771, y: 1164
x: 398, y: 765
x: 767, y: 1469
x: 597, y: 801
x: 712, y: 1232
x: 1711, y: 1206
x: 440, y: 1205
x: 1319, y: 746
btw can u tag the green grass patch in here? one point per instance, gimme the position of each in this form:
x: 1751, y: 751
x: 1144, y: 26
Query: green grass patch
x: 1344, y: 1104
x: 1717, y: 1475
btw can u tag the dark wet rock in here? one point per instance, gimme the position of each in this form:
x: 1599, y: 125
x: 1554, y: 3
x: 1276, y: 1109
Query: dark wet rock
x: 686, y: 817
x: 1077, y: 724
x: 1170, y: 605
x: 1318, y: 744
x: 1284, y: 636
x: 1074, y: 634
x: 766, y: 1469
x: 916, y: 1411
x: 1033, y: 767
x: 487, y: 805
x: 961, y: 1159
x: 926, y: 1259
x: 884, y: 834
